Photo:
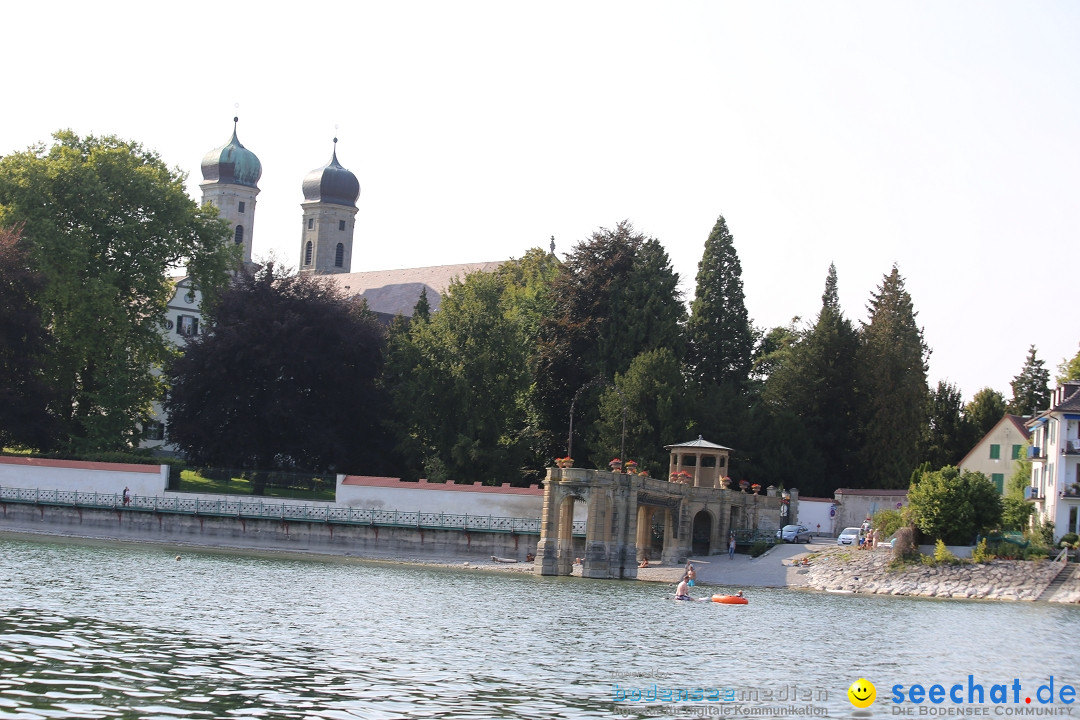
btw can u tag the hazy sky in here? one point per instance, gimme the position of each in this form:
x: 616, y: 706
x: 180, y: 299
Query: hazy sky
x: 940, y: 136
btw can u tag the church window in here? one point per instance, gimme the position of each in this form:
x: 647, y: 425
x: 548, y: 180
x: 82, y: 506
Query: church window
x: 339, y: 255
x: 187, y: 325
x: 239, y: 234
x: 307, y: 253
x: 241, y: 208
x: 310, y: 223
x: 341, y: 225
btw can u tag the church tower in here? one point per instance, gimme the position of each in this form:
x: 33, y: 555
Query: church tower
x: 329, y: 205
x: 231, y: 181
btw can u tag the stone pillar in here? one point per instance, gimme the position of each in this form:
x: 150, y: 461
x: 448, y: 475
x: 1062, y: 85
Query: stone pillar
x: 624, y: 558
x: 644, y: 531
x: 546, y: 562
x: 597, y: 534
x: 565, y: 552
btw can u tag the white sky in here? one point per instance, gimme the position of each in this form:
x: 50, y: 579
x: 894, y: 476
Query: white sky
x: 942, y: 136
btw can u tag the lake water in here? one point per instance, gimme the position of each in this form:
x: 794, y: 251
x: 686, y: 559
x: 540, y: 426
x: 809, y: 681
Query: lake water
x: 126, y: 630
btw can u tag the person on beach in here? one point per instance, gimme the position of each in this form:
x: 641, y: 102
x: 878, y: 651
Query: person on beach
x: 682, y: 592
x: 731, y: 547
x: 691, y: 574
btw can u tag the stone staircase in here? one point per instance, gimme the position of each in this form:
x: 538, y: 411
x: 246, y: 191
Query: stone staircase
x: 1066, y: 572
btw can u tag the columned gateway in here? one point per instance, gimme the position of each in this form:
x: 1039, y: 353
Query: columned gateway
x: 623, y: 509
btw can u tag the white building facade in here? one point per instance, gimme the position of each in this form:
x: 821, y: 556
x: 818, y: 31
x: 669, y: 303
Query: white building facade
x: 1055, y: 461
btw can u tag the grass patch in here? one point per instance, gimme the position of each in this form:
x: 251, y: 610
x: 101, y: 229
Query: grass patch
x: 221, y: 484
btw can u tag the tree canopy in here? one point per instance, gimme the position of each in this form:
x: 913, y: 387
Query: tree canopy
x: 721, y: 337
x: 105, y: 220
x: 954, y: 506
x: 1031, y: 388
x: 284, y: 375
x: 892, y: 386
x: 615, y: 297
x: 27, y: 401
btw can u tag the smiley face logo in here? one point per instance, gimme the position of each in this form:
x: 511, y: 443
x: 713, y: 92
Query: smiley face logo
x: 862, y: 693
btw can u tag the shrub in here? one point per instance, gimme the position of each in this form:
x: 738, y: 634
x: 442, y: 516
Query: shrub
x: 760, y: 547
x: 1069, y: 539
x: 980, y: 554
x: 904, y: 548
x: 942, y: 554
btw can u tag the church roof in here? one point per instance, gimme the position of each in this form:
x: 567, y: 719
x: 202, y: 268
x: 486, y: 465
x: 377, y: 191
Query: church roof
x: 395, y: 292
x: 232, y: 164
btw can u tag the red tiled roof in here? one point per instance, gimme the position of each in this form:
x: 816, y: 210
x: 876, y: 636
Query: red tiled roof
x: 389, y: 482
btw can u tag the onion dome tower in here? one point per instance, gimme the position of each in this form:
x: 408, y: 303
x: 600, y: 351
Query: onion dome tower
x: 330, y: 195
x: 231, y: 181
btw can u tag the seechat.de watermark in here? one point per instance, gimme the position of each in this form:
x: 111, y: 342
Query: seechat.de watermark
x: 970, y: 697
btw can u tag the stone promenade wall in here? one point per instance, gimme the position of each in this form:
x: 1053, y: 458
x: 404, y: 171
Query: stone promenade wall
x: 242, y: 533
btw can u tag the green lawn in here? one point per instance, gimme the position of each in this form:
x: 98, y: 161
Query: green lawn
x: 192, y: 481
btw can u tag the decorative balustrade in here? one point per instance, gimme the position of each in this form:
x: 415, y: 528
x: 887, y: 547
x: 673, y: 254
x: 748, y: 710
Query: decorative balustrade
x: 269, y: 509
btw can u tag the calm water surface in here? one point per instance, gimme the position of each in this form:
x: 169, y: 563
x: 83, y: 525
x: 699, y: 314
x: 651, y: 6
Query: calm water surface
x: 119, y: 630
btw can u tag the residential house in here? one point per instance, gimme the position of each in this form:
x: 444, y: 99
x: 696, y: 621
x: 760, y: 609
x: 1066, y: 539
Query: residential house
x: 1055, y: 460
x: 996, y: 454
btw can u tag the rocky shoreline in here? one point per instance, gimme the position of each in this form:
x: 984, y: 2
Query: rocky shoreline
x: 868, y: 572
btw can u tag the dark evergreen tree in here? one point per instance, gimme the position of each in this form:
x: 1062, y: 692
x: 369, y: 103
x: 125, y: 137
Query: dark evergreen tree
x: 947, y: 436
x: 284, y: 376
x: 721, y: 337
x: 891, y: 382
x: 27, y: 402
x: 614, y: 298
x: 817, y: 383
x: 1031, y: 388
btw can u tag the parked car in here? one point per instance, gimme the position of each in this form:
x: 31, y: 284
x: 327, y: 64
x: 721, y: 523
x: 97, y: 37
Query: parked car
x: 793, y: 534
x: 849, y: 536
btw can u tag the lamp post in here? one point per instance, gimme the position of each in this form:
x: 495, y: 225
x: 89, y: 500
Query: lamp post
x: 570, y: 436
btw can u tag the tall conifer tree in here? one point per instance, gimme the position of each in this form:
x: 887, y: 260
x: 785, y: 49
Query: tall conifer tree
x: 817, y: 383
x: 1031, y: 388
x: 721, y: 339
x: 892, y: 386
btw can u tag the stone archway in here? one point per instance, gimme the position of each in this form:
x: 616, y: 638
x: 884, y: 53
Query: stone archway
x: 701, y: 533
x: 623, y: 509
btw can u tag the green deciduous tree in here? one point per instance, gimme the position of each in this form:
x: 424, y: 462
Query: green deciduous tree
x: 1031, y: 388
x: 652, y: 390
x: 283, y: 376
x: 891, y: 376
x: 27, y: 402
x: 954, y: 506
x: 984, y: 411
x: 105, y: 219
x: 1069, y: 369
x: 461, y: 378
x: 721, y: 337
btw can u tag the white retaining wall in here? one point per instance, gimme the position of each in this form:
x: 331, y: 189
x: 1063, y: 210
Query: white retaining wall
x: 41, y: 474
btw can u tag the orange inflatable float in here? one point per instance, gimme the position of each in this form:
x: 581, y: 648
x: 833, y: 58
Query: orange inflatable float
x: 730, y: 599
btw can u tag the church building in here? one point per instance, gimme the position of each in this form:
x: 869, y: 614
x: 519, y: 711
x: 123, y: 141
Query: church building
x: 231, y: 176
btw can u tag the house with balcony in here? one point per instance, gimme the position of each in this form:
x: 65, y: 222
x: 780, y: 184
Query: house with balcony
x: 1055, y: 460
x: 996, y: 454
